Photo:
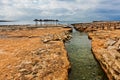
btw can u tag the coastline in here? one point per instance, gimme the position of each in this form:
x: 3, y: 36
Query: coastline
x: 105, y: 45
x: 37, y: 53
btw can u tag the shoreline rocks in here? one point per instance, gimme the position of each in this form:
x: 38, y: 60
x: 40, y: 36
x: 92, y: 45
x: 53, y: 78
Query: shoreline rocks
x: 97, y: 25
x: 105, y: 45
x: 36, y: 54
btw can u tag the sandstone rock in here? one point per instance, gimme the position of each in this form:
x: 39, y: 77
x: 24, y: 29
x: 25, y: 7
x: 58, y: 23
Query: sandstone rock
x: 34, y: 54
x: 94, y: 26
x: 106, y: 51
x: 110, y: 42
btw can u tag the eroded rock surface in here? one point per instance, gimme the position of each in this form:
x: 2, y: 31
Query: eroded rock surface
x: 36, y: 54
x: 97, y: 25
x: 106, y: 48
x: 105, y: 37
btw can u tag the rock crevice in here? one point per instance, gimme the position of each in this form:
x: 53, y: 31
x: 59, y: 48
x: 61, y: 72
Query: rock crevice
x: 105, y: 45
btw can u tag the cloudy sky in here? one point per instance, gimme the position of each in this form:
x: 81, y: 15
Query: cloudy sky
x: 64, y: 10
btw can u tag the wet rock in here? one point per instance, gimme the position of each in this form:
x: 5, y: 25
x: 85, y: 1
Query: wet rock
x: 83, y: 78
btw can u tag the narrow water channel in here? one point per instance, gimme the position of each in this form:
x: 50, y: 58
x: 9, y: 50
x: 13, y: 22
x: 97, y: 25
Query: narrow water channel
x: 83, y: 64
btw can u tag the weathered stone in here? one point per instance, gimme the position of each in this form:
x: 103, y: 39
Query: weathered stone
x: 94, y: 26
x: 107, y: 54
x: 34, y: 54
x: 105, y: 45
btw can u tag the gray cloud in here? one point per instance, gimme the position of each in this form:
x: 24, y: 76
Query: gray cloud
x: 69, y: 10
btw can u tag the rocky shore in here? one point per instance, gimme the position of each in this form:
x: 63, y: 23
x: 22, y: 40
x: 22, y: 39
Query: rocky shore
x: 106, y: 48
x: 34, y: 54
x: 97, y: 25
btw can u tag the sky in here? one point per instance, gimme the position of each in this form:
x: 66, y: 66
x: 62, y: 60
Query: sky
x: 26, y: 11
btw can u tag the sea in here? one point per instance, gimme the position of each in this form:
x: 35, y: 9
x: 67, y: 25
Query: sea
x: 32, y: 22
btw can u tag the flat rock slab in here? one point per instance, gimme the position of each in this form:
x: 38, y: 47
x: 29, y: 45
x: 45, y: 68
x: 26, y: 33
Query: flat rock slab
x: 37, y: 54
x: 105, y: 46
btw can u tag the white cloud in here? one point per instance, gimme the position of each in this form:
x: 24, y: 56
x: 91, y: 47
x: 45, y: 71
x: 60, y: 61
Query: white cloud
x: 63, y: 9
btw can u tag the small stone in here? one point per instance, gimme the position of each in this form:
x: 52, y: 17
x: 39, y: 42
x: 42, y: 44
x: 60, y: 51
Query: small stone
x: 93, y: 73
x: 83, y: 78
x: 45, y: 40
x: 25, y: 71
